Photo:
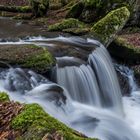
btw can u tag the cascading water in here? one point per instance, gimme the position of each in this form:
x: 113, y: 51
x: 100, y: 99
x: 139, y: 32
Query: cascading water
x: 97, y: 85
x: 86, y: 97
x: 129, y: 74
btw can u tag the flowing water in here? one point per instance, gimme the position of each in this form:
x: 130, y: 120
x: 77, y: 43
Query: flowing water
x: 86, y: 94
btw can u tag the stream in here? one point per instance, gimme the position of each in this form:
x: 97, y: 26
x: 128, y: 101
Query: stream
x: 83, y: 94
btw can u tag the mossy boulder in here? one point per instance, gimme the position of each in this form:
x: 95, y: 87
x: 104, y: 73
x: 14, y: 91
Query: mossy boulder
x: 66, y: 24
x: 126, y: 48
x: 39, y: 7
x: 27, y: 56
x: 77, y: 31
x: 107, y: 28
x: 4, y: 97
x: 93, y: 10
x: 35, y: 123
x: 75, y: 10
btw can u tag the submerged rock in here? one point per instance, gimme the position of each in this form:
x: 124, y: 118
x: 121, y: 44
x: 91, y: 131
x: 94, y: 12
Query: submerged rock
x: 107, y: 28
x: 27, y: 56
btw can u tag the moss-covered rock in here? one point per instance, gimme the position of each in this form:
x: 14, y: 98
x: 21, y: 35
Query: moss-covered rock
x: 136, y: 69
x: 35, y: 123
x: 93, y: 10
x: 4, y: 97
x: 126, y: 48
x: 65, y: 24
x: 39, y: 7
x: 27, y: 56
x: 107, y: 28
x: 77, y: 31
x: 75, y: 11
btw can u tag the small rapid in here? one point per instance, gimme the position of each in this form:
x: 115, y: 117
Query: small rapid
x: 85, y: 96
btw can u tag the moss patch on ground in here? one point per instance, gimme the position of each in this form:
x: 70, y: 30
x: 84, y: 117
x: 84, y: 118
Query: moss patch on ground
x: 112, y: 23
x: 27, y: 56
x: 35, y: 123
x: 3, y: 97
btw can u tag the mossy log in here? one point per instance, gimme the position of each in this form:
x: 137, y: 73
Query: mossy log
x: 18, y: 9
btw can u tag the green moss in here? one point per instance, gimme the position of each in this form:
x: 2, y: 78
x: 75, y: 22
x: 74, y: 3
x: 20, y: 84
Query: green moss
x: 4, y: 97
x: 77, y: 31
x: 27, y: 56
x: 36, y: 123
x: 65, y: 24
x: 24, y: 9
x: 40, y: 62
x: 112, y: 23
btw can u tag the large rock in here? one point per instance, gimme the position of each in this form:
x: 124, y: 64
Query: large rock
x: 26, y: 56
x: 39, y: 7
x: 127, y: 48
x: 92, y: 10
x: 136, y: 69
x: 107, y: 28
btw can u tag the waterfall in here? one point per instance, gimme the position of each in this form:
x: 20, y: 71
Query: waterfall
x: 86, y: 95
x: 95, y: 83
x: 81, y: 84
x: 102, y: 65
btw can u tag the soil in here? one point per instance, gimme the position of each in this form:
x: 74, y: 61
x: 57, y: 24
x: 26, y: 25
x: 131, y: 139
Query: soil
x: 14, y: 2
x: 8, y: 110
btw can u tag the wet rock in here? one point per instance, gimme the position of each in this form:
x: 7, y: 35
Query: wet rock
x: 49, y: 92
x: 124, y: 84
x: 136, y: 69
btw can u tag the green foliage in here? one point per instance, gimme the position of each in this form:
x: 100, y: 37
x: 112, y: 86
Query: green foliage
x: 37, y: 123
x: 65, y: 24
x: 4, y: 97
x: 107, y: 27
